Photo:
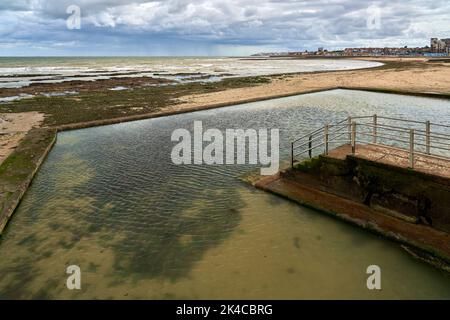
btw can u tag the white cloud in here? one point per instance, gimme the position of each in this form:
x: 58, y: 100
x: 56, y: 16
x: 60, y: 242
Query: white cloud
x: 286, y: 24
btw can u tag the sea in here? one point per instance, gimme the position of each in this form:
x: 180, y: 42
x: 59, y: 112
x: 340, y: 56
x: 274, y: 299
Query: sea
x: 17, y: 72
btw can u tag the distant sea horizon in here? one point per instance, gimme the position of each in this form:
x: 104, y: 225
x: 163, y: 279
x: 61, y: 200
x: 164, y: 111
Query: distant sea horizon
x: 20, y: 71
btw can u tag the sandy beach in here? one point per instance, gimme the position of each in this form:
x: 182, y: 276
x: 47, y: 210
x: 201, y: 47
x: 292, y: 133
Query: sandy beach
x: 14, y: 127
x: 426, y: 77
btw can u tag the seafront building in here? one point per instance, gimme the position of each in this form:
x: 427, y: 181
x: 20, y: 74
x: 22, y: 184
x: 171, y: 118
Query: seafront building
x: 437, y: 48
x: 440, y: 45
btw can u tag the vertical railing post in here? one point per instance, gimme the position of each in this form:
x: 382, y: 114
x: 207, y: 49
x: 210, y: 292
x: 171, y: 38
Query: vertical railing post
x: 292, y: 155
x: 310, y: 147
x: 375, y: 129
x: 411, y: 148
x: 326, y: 138
x: 353, y: 139
x: 427, y: 137
x: 349, y: 121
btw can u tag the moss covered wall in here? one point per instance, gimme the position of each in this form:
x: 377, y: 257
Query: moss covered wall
x: 18, y: 170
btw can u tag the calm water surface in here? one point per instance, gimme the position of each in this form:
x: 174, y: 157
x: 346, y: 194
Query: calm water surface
x: 109, y: 200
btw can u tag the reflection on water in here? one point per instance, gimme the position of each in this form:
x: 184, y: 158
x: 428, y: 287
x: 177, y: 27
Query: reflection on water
x: 109, y: 200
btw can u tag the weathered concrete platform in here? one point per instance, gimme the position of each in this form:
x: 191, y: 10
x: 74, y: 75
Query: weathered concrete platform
x: 375, y: 189
x: 394, y: 157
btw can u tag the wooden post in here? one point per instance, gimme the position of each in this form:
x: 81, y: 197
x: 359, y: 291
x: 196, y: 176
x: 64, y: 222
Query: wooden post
x: 353, y: 137
x: 411, y: 148
x: 310, y: 147
x: 375, y: 124
x: 326, y: 139
x: 427, y: 137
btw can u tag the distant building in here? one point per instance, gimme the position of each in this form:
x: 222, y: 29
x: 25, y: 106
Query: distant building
x: 438, y: 45
x: 447, y: 43
x: 437, y: 48
x: 405, y: 51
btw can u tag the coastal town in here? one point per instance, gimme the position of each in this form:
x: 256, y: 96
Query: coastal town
x: 436, y: 48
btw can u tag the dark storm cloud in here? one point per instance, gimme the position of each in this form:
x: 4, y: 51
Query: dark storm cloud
x: 225, y: 25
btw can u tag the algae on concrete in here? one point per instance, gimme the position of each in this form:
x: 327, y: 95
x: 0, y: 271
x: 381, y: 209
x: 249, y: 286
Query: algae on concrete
x: 18, y: 170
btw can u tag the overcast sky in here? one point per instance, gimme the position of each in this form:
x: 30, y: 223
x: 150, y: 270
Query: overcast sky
x: 215, y: 27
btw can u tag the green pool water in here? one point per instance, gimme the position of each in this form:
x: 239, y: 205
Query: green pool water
x: 109, y: 200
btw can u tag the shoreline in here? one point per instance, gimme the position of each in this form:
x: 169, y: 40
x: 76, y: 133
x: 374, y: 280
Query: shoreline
x: 74, y: 82
x: 410, y: 77
x: 226, y: 92
x: 188, y: 106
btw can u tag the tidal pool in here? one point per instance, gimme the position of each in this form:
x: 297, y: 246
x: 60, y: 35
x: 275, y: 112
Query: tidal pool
x: 109, y: 200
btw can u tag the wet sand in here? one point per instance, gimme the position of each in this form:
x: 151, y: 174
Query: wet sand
x: 14, y: 127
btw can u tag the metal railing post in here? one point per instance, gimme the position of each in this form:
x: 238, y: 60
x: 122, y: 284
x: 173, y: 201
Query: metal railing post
x: 326, y: 139
x: 349, y: 121
x: 310, y: 147
x: 427, y: 137
x: 292, y: 155
x: 411, y: 148
x: 375, y: 123
x: 353, y: 139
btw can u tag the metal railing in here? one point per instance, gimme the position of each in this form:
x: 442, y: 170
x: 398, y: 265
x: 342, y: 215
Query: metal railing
x: 416, y: 137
